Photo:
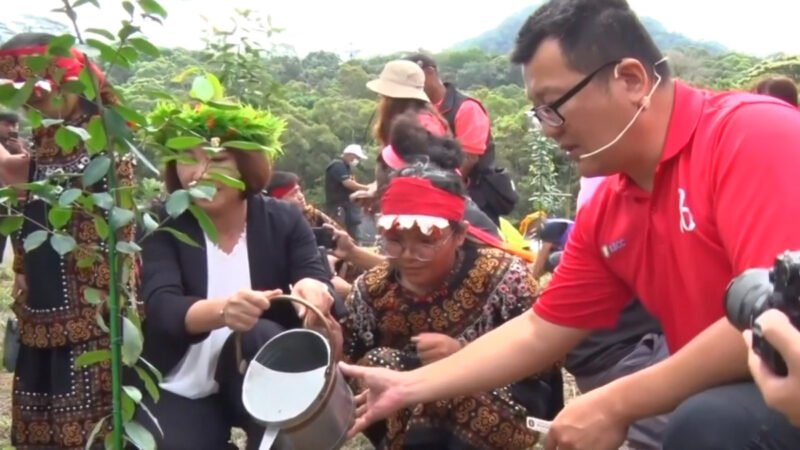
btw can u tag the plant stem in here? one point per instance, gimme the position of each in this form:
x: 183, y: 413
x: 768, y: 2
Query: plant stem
x: 113, y: 288
x: 73, y: 18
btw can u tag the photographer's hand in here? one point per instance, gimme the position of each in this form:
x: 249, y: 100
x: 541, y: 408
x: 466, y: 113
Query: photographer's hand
x: 780, y: 393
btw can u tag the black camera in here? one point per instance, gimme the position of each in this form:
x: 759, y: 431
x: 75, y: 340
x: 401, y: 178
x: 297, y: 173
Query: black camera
x: 324, y: 237
x: 757, y: 290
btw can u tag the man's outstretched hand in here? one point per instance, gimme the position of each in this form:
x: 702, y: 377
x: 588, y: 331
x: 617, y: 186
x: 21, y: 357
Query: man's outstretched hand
x: 385, y: 393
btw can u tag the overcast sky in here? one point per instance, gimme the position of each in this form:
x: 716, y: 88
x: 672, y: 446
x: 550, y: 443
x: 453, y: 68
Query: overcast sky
x: 760, y: 27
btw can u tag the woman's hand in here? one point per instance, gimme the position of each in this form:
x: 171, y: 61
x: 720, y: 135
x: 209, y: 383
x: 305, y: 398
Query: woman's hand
x: 243, y: 309
x: 345, y: 245
x: 314, y: 292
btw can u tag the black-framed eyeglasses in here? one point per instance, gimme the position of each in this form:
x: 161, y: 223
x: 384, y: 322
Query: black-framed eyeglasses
x: 548, y: 114
x: 421, y: 251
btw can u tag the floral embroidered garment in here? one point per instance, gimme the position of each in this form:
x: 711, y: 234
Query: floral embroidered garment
x: 56, y: 405
x: 485, y: 289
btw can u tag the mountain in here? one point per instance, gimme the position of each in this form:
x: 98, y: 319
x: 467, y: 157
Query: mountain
x: 501, y: 38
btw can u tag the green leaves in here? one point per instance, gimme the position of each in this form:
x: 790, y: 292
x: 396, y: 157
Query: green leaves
x: 205, y: 223
x: 96, y: 429
x: 139, y: 436
x: 62, y: 243
x: 178, y: 202
x: 130, y: 115
x: 69, y: 196
x: 134, y: 393
x: 92, y: 296
x: 153, y: 7
x: 149, y: 222
x: 131, y: 342
x: 100, y: 32
x: 202, y: 89
x: 58, y: 217
x: 67, y: 139
x: 101, y: 226
x: 227, y: 180
x: 35, y: 118
x: 120, y: 217
x: 109, y: 54
x: 22, y: 95
x: 183, y: 237
x: 144, y: 46
x: 11, y: 224
x: 96, y: 170
x: 184, y: 142
x: 148, y: 382
x: 88, y: 83
x: 93, y: 357
x: 60, y: 45
x: 34, y: 240
x: 103, y: 200
x: 38, y: 63
x: 97, y: 140
x: 129, y: 248
x: 202, y: 191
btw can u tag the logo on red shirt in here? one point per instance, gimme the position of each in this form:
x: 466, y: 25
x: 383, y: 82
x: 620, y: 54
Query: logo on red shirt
x: 687, y: 220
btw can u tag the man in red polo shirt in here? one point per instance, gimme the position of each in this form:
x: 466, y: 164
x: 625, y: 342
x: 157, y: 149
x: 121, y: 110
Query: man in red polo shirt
x: 701, y: 186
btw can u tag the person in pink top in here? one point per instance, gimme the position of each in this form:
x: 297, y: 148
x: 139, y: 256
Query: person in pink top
x: 489, y: 187
x: 401, y: 87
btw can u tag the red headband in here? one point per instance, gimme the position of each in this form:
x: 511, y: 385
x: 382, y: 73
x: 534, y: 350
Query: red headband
x: 282, y: 191
x: 417, y: 196
x: 20, y: 71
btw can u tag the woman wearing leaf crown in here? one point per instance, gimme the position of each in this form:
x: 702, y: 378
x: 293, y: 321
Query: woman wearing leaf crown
x: 57, y: 402
x: 214, y: 268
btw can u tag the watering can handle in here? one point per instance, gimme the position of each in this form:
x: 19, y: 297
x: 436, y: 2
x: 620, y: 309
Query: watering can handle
x: 242, y: 364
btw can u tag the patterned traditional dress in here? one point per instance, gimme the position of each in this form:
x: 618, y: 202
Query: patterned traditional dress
x: 486, y: 288
x: 56, y: 405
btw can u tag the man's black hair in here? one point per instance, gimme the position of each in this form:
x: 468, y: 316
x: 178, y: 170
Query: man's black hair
x: 9, y: 117
x: 280, y: 179
x: 22, y: 40
x: 422, y: 60
x: 591, y: 33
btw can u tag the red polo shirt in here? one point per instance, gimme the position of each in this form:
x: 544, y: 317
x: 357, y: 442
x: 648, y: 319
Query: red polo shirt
x: 724, y: 199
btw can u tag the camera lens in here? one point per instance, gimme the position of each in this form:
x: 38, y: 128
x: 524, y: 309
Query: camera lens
x: 747, y: 297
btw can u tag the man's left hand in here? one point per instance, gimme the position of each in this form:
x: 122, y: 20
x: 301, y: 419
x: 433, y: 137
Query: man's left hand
x: 586, y: 423
x: 315, y: 292
x: 780, y: 393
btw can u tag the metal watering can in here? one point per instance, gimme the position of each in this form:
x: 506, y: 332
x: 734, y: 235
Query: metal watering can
x: 294, y: 387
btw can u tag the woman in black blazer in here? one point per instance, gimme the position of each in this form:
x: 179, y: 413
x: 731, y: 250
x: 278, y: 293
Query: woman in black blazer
x: 196, y: 296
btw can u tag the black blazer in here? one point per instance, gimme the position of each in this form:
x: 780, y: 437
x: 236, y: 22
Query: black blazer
x: 281, y: 249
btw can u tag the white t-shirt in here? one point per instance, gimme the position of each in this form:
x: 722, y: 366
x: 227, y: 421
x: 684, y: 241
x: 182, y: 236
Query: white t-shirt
x: 193, y: 377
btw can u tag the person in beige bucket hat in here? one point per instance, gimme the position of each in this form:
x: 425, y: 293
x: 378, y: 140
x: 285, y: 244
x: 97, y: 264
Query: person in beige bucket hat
x: 400, y: 79
x: 401, y: 86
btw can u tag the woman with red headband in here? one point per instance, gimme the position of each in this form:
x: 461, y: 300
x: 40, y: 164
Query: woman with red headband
x: 437, y: 293
x: 55, y: 404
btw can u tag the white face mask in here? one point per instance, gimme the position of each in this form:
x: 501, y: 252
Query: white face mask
x: 354, y: 163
